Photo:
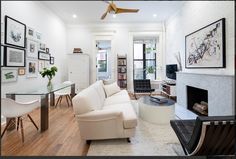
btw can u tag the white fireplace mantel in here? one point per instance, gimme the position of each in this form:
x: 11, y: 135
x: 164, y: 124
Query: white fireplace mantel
x: 220, y: 89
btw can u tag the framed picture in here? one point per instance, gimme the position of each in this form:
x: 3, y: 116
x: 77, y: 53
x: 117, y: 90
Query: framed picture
x: 2, y: 33
x: 47, y: 50
x: 43, y: 56
x: 41, y: 65
x: 14, y: 57
x: 38, y: 36
x: 21, y: 71
x: 30, y: 33
x: 32, y: 48
x: 205, y: 48
x: 46, y: 64
x: 42, y: 47
x: 15, y: 32
x: 2, y: 55
x: 32, y: 68
x: 51, y: 60
x: 9, y: 75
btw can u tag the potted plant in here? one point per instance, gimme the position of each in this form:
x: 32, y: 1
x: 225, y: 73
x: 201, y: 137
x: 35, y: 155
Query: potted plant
x: 50, y: 73
x: 150, y: 72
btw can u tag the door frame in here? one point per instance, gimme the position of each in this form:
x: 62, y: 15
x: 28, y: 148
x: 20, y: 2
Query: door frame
x: 102, y: 36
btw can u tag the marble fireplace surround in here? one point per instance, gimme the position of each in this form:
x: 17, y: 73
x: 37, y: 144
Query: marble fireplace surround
x: 220, y: 91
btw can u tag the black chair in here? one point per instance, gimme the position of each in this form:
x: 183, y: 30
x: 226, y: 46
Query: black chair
x: 213, y: 135
x: 142, y: 86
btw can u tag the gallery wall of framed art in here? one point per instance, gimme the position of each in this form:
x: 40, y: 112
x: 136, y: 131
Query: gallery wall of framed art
x: 205, y: 48
x: 22, y: 50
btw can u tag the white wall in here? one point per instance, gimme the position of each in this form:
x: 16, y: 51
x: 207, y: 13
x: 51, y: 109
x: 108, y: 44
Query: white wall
x: 82, y: 36
x: 53, y: 30
x: 193, y: 16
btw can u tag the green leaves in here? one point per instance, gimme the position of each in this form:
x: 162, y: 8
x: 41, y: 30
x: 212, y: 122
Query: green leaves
x: 50, y: 73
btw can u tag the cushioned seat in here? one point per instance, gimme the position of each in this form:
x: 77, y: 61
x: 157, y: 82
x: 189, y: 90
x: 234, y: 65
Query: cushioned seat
x: 130, y: 118
x: 116, y: 99
x: 104, y: 112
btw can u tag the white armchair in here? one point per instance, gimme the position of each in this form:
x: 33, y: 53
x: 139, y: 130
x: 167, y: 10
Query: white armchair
x: 12, y: 109
x: 64, y: 92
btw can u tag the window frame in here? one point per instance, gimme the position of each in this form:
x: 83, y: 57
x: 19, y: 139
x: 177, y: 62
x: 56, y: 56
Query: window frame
x: 144, y: 60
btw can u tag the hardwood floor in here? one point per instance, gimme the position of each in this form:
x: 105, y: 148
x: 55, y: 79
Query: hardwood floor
x: 61, y: 139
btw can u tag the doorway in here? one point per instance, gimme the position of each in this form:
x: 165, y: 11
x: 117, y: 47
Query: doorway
x: 103, y: 59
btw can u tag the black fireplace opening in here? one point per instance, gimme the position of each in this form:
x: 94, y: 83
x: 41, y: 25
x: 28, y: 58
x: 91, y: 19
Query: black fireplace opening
x: 197, y: 100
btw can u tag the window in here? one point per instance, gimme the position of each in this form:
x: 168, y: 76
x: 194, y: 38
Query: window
x: 145, y: 59
x: 102, y: 61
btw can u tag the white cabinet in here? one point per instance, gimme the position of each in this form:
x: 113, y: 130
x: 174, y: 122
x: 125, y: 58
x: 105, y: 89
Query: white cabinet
x: 78, y: 69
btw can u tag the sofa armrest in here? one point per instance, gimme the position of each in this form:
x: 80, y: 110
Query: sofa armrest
x: 100, y: 115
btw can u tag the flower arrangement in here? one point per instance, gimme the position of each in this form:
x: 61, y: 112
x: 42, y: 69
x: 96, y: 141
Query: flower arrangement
x: 50, y: 73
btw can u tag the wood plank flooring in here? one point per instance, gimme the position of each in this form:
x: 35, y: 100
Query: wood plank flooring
x: 61, y: 139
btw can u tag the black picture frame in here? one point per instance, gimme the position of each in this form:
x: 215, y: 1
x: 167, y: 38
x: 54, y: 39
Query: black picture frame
x: 15, y: 35
x: 52, y: 60
x: 47, y: 50
x: 204, y: 46
x: 7, y: 61
x: 43, y: 56
x: 2, y: 56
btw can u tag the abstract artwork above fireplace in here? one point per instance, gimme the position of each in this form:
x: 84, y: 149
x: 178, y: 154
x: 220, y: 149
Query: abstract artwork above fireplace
x: 205, y: 48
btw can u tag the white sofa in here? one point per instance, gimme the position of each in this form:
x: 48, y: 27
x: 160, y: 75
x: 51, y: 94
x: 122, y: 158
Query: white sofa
x: 101, y: 117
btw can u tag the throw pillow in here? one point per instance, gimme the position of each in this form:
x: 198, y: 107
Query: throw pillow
x: 111, y: 89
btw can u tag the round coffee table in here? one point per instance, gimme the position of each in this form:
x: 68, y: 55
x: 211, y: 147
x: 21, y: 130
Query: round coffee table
x: 154, y: 112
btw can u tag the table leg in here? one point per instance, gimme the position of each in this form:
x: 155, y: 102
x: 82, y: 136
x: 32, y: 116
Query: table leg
x: 13, y: 125
x: 44, y: 112
x: 52, y: 99
x: 72, y: 90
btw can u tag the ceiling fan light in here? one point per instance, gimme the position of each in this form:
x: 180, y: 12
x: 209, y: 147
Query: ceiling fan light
x: 154, y: 15
x: 74, y: 16
x: 114, y: 15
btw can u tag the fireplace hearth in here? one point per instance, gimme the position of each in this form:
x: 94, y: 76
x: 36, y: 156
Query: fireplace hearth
x: 197, y: 100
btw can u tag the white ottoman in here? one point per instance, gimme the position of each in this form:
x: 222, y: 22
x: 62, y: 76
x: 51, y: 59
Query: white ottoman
x: 156, y: 113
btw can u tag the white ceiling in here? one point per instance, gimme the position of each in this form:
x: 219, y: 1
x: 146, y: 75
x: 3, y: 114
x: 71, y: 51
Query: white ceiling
x: 91, y: 11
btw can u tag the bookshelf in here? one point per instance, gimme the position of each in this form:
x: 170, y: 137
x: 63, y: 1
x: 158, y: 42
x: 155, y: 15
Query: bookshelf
x: 122, y: 71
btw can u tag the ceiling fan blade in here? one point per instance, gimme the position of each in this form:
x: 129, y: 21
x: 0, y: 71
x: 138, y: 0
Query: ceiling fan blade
x: 104, y: 15
x: 124, y: 10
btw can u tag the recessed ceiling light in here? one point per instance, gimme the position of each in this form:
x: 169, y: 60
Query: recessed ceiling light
x: 74, y: 16
x: 114, y: 15
x: 154, y: 15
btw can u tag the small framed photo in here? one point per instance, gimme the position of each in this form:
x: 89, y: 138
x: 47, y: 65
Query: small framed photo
x: 51, y: 60
x: 47, y: 50
x: 14, y: 57
x: 38, y: 36
x: 2, y: 55
x: 9, y: 75
x: 30, y: 33
x: 42, y: 47
x: 41, y: 65
x: 32, y: 68
x: 43, y: 56
x: 21, y: 71
x: 32, y: 48
x: 15, y: 32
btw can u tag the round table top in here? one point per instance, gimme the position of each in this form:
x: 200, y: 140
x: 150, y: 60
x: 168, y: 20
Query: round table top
x: 146, y: 100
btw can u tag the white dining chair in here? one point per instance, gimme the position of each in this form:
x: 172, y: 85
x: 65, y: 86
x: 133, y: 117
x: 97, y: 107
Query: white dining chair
x: 12, y: 109
x: 66, y: 92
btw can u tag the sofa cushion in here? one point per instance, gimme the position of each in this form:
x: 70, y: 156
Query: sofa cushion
x: 111, y: 89
x: 117, y: 99
x: 98, y: 86
x: 87, y: 100
x: 130, y: 118
x: 122, y: 92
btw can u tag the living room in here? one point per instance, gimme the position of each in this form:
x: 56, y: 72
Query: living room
x: 114, y: 57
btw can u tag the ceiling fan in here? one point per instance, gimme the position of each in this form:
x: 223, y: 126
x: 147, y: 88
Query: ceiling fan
x: 115, y: 10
